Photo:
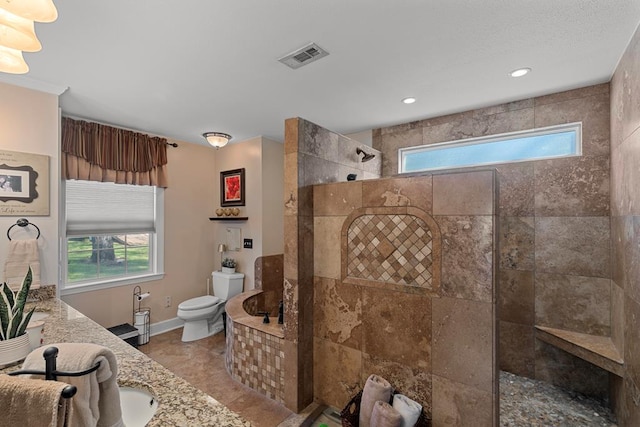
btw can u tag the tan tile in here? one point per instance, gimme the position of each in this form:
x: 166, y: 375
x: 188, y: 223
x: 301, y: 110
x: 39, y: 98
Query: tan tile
x: 632, y: 339
x: 574, y: 303
x: 337, y: 199
x: 291, y: 247
x: 327, y: 246
x: 459, y: 127
x: 416, y: 191
x: 338, y: 312
x: 617, y: 317
x: 517, y: 243
x: 517, y: 349
x: 390, y: 142
x: 572, y: 94
x: 291, y: 135
x: 504, y: 122
x: 291, y: 184
x: 516, y: 301
x: 575, y: 186
x: 399, y: 332
x: 336, y: 373
x: 467, y: 256
x: 573, y: 245
x: 503, y: 108
x: 516, y: 194
x: 565, y: 370
x: 461, y: 324
x: 468, y: 193
x: 456, y: 404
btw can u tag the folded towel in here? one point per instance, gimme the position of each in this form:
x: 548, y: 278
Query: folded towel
x: 409, y: 409
x: 21, y: 255
x: 383, y: 415
x: 376, y: 388
x: 97, y: 402
x: 27, y: 402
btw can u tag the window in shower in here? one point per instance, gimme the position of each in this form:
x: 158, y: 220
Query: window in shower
x: 536, y: 144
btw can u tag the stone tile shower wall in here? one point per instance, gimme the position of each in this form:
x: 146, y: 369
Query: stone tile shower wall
x: 407, y: 292
x: 313, y: 155
x: 554, y: 232
x: 625, y: 229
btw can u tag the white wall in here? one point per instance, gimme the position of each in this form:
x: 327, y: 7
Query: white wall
x: 29, y: 123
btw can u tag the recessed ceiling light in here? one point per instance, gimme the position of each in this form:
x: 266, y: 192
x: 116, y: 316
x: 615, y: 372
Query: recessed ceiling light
x: 409, y: 100
x: 520, y: 72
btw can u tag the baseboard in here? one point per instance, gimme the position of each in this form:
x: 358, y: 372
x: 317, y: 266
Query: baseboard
x: 166, y: 326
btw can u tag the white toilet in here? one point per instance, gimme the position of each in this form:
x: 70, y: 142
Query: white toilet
x: 202, y: 316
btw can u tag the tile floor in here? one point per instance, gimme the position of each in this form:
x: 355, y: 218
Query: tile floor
x: 210, y: 376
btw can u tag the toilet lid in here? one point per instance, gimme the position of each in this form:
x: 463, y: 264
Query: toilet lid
x: 199, y: 302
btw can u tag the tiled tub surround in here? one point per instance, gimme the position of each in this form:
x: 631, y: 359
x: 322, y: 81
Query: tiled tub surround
x: 179, y: 403
x: 554, y: 235
x: 432, y: 336
x: 255, y: 353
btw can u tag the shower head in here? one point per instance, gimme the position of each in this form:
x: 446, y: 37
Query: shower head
x: 366, y: 156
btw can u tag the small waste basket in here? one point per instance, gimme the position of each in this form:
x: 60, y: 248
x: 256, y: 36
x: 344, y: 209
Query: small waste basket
x: 126, y: 332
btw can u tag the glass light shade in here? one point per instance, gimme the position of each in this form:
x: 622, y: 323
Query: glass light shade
x: 18, y: 33
x: 11, y: 61
x: 217, y: 139
x: 36, y: 10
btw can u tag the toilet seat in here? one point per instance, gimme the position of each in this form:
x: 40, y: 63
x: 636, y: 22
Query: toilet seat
x: 199, y: 303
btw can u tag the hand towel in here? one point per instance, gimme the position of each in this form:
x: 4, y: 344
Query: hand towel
x: 383, y: 415
x: 376, y: 388
x: 28, y: 402
x: 21, y: 255
x: 409, y: 409
x: 97, y: 402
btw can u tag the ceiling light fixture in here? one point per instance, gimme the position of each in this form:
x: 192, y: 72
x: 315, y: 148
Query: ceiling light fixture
x: 17, y: 31
x: 409, y: 100
x: 520, y: 72
x: 217, y: 139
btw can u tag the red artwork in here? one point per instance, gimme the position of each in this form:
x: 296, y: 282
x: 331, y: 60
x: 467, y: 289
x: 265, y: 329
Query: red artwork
x: 232, y: 188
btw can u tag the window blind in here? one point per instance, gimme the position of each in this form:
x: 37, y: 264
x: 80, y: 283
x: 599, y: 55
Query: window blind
x: 103, y: 207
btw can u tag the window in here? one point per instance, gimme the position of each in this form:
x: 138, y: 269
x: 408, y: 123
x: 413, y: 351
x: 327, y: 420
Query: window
x: 537, y: 144
x: 113, y: 235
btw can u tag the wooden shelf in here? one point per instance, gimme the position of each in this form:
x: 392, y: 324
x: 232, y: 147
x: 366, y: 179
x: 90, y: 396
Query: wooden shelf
x: 229, y: 218
x: 595, y: 349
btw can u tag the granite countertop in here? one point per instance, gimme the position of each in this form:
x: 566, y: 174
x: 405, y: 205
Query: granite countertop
x: 179, y: 403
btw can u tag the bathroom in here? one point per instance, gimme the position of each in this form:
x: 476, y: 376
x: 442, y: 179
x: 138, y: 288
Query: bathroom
x: 604, y: 220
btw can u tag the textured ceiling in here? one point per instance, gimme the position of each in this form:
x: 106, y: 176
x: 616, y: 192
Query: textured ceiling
x: 180, y: 68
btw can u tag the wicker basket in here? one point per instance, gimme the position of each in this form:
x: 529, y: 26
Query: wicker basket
x: 350, y: 415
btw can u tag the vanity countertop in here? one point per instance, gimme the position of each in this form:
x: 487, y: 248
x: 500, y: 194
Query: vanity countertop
x: 179, y: 403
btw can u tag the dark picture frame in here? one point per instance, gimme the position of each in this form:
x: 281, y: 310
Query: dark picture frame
x: 18, y: 183
x: 232, y: 187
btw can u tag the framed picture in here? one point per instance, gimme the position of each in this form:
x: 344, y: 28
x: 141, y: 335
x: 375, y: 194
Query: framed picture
x: 232, y: 187
x: 24, y: 184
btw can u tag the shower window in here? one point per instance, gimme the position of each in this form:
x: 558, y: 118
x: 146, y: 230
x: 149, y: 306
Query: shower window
x: 113, y: 235
x: 537, y: 144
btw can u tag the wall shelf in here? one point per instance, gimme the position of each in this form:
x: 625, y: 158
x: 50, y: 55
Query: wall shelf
x: 229, y: 218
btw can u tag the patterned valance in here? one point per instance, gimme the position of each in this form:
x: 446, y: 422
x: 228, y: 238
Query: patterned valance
x: 97, y: 152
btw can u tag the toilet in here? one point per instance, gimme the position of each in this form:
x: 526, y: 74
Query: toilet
x: 202, y: 316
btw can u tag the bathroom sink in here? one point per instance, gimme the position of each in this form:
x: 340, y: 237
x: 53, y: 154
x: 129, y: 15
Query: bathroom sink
x: 38, y: 315
x: 138, y: 406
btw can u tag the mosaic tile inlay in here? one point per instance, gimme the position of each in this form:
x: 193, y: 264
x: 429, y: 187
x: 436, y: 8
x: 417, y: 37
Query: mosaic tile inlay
x: 392, y: 249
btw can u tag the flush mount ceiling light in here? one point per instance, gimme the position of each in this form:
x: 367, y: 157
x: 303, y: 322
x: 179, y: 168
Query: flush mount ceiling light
x: 18, y: 33
x: 520, y: 72
x: 35, y: 10
x: 217, y: 139
x: 11, y: 61
x: 409, y: 100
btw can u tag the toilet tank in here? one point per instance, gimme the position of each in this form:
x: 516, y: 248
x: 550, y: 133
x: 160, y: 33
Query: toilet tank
x: 227, y: 285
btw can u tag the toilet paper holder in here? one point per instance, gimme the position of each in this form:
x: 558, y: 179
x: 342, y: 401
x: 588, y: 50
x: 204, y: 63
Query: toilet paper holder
x: 141, y: 315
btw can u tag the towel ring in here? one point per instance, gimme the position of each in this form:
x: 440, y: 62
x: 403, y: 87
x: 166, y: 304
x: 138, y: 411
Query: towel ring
x: 23, y: 222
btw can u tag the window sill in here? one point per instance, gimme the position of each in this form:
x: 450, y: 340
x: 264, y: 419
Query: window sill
x: 106, y: 284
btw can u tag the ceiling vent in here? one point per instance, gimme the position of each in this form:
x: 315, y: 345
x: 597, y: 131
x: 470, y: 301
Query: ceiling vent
x: 303, y: 56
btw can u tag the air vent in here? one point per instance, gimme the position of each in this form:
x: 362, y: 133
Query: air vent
x: 303, y: 56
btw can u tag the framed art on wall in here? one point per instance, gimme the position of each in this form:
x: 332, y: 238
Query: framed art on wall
x: 24, y: 184
x: 232, y: 187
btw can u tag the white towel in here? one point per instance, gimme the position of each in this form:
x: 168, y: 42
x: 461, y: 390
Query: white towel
x: 376, y: 388
x: 383, y: 415
x: 97, y: 402
x: 21, y: 255
x: 409, y: 409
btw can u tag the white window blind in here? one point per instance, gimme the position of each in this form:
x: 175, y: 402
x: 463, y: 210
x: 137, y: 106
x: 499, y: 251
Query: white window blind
x: 103, y: 207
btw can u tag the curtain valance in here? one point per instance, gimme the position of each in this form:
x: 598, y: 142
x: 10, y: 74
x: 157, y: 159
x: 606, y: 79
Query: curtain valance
x: 96, y: 152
